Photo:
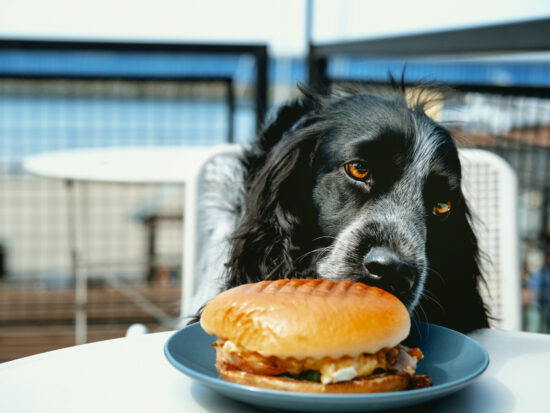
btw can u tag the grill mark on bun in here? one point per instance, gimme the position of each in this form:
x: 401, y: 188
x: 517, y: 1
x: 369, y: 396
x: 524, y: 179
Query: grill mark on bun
x: 311, y: 287
x: 284, y: 287
x: 259, y: 287
x: 326, y: 287
x: 348, y: 288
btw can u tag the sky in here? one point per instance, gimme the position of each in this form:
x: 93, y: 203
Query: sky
x: 279, y: 23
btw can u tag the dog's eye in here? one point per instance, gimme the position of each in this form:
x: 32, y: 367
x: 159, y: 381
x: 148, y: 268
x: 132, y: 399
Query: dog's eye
x: 442, y: 208
x: 357, y: 170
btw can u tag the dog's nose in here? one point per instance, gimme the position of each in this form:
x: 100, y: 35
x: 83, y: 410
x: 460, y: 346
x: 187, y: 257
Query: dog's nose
x: 385, y: 269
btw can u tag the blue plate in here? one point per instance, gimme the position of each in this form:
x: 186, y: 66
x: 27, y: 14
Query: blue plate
x: 451, y: 359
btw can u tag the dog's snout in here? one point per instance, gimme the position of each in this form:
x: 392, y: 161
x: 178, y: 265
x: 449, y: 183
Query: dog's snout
x: 387, y: 270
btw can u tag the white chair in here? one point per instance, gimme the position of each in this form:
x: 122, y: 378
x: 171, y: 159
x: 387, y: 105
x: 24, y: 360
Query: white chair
x: 490, y: 187
x: 208, y: 221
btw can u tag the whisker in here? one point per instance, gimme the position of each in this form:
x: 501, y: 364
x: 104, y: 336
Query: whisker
x: 438, y: 274
x: 420, y: 313
x: 324, y: 237
x: 423, y: 316
x: 419, y: 310
x: 323, y: 250
x: 430, y: 297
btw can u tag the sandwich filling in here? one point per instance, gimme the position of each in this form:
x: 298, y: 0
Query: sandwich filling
x: 397, y: 360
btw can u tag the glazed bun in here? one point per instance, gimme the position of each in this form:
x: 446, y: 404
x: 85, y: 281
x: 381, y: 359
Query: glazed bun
x: 307, y: 318
x: 377, y: 383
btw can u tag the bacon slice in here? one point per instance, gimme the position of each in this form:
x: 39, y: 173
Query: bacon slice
x: 419, y: 382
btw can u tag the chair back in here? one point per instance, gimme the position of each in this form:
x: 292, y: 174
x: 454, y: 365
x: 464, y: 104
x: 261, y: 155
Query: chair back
x: 210, y: 214
x: 490, y: 188
x: 489, y: 184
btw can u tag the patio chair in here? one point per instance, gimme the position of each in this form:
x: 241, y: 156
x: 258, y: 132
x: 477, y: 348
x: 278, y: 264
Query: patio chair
x: 205, y: 231
x: 490, y: 186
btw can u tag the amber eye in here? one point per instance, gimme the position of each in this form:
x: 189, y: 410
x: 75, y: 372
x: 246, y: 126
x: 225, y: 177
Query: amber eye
x: 357, y: 170
x: 442, y: 208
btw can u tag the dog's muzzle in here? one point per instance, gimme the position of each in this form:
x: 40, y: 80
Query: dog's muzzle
x: 385, y: 269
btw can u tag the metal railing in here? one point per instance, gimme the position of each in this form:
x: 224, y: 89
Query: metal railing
x: 57, y: 95
x: 122, y: 49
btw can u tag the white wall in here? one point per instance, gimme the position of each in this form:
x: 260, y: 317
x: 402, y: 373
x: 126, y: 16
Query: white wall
x: 359, y: 19
x: 278, y: 22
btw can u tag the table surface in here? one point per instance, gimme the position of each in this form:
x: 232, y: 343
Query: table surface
x: 122, y: 165
x: 132, y: 375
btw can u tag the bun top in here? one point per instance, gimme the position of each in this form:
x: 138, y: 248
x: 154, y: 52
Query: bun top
x: 307, y: 318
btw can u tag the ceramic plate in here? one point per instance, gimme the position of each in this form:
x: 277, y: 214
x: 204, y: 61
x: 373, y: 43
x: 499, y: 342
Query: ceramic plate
x: 451, y: 359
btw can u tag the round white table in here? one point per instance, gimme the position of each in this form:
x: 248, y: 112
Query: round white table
x: 145, y: 165
x: 132, y: 375
x: 129, y: 165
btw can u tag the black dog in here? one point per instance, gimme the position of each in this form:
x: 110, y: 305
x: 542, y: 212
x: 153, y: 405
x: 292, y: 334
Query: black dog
x: 364, y: 187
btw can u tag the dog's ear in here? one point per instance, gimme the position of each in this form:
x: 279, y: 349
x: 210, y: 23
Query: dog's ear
x: 286, y: 120
x: 289, y: 117
x: 452, y: 295
x: 278, y: 211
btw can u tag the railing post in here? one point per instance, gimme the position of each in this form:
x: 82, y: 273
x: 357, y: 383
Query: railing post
x: 230, y: 99
x: 317, y: 70
x: 261, y: 86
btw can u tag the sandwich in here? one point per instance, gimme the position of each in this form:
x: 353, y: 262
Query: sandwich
x: 313, y: 336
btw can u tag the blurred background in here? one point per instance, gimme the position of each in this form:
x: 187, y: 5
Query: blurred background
x: 104, y: 76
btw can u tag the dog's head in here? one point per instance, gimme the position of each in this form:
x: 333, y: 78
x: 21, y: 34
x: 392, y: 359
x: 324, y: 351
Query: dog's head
x: 385, y: 175
x: 358, y: 186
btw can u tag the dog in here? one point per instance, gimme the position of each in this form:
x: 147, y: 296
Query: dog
x: 363, y: 186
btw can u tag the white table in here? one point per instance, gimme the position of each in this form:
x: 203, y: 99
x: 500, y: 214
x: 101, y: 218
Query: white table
x: 132, y: 375
x: 130, y: 165
x: 146, y: 165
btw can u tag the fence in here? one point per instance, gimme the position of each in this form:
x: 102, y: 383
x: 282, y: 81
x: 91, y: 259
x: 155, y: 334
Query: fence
x: 501, y: 103
x: 75, y: 95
